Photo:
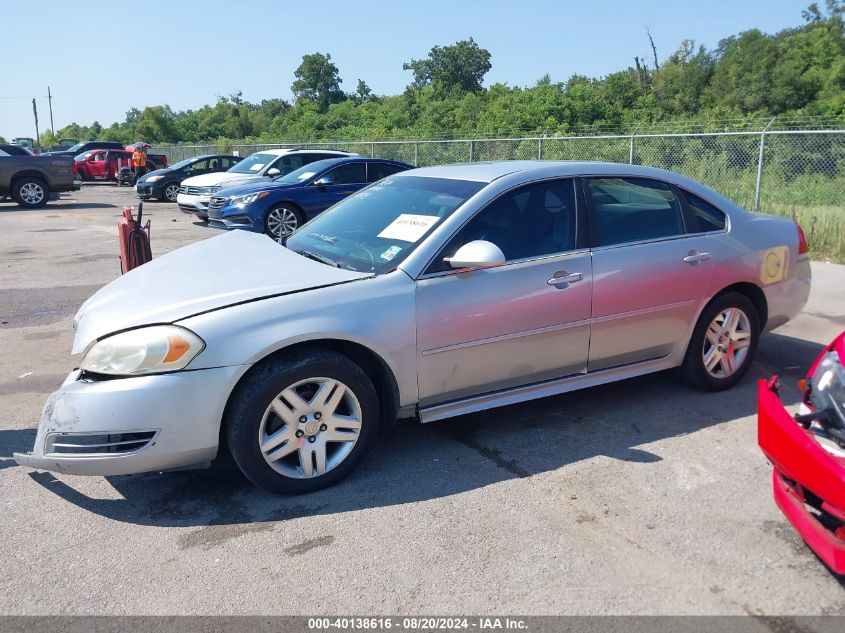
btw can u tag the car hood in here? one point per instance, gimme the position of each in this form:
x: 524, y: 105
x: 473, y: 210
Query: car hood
x: 157, y: 172
x: 199, y: 278
x: 217, y: 178
x: 241, y: 189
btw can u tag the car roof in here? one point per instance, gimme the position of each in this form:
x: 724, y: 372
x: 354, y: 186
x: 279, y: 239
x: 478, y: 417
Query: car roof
x: 282, y: 152
x: 490, y: 171
x: 358, y: 159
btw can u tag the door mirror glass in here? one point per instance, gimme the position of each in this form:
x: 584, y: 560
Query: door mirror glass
x: 477, y: 254
x: 324, y: 181
x: 273, y: 172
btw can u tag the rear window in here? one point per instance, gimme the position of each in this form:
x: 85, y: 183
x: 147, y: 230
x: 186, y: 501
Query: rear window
x: 377, y: 171
x: 708, y: 217
x: 634, y: 210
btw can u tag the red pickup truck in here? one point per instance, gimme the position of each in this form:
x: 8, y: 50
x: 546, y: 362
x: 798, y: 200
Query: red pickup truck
x: 104, y: 164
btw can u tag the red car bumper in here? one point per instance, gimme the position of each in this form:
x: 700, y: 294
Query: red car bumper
x: 809, y: 482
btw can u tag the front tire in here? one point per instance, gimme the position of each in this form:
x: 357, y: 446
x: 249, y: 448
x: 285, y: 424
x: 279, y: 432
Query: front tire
x: 169, y: 192
x: 30, y: 192
x: 302, y: 421
x: 723, y: 344
x: 282, y: 220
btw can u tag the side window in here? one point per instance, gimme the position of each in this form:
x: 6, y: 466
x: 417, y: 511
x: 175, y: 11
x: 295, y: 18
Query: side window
x: 634, y: 209
x: 199, y: 167
x: 377, y: 171
x: 530, y: 221
x: 99, y: 156
x: 709, y: 218
x: 349, y: 174
x: 288, y: 163
x: 227, y: 163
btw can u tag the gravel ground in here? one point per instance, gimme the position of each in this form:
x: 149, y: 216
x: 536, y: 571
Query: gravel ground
x: 641, y: 497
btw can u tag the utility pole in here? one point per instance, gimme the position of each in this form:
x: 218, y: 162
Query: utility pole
x: 35, y: 113
x: 50, y: 101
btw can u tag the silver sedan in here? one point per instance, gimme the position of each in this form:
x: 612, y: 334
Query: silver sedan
x: 430, y: 294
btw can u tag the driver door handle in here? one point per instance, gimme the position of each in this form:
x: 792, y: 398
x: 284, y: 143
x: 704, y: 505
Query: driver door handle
x: 563, y: 277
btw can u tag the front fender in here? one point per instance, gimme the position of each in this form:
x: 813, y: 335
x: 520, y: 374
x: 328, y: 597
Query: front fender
x: 376, y: 313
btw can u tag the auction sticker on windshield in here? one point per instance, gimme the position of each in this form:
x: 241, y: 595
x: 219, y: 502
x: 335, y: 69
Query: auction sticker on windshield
x: 408, y: 227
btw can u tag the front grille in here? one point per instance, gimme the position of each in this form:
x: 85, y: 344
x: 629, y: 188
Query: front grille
x: 194, y: 191
x: 88, y: 444
x: 217, y: 203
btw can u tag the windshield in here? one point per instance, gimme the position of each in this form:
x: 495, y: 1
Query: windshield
x: 306, y: 171
x: 183, y: 163
x: 376, y: 228
x: 252, y: 164
x: 75, y: 148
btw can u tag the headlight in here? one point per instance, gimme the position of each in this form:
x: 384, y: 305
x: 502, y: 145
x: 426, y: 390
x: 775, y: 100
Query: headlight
x: 828, y: 388
x: 249, y: 198
x: 154, y: 178
x: 147, y: 350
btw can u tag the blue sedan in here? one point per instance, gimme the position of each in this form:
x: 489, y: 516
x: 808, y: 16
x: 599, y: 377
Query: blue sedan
x: 280, y: 207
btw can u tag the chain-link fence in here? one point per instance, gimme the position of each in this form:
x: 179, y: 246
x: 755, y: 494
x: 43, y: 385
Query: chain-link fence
x: 754, y: 168
x: 789, y: 172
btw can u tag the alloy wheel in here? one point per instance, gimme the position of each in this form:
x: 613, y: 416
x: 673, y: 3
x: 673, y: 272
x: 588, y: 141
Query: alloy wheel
x: 170, y: 192
x: 281, y: 222
x: 32, y: 193
x: 310, y: 428
x: 726, y: 343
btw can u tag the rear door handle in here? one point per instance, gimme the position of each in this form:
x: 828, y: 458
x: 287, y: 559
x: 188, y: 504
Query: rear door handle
x: 695, y: 257
x: 563, y: 277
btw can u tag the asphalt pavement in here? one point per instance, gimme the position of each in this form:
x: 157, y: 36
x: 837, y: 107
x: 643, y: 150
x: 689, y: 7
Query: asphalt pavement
x: 640, y: 497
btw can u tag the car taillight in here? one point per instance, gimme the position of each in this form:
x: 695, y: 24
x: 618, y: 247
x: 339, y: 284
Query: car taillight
x: 75, y: 168
x: 803, y: 245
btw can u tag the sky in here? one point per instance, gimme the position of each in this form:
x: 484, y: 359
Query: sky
x: 101, y: 59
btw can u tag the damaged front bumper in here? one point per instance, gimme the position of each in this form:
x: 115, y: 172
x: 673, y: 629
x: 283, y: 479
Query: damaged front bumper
x: 131, y: 425
x: 808, y: 477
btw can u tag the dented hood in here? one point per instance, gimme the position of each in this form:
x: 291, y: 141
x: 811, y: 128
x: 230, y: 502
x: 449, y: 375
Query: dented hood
x: 215, y: 273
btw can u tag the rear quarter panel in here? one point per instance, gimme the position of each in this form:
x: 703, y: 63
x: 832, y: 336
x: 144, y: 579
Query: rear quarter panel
x: 762, y: 250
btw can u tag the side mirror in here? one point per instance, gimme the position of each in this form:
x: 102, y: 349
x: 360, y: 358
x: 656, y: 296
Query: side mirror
x: 477, y: 254
x: 272, y: 172
x: 325, y: 181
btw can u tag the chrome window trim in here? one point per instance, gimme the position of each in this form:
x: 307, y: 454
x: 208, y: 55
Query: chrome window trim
x: 513, y: 262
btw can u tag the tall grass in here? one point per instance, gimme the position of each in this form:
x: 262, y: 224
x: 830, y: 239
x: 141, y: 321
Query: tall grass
x: 824, y: 227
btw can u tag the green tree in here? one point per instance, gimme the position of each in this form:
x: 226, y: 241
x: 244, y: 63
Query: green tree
x: 318, y: 81
x: 460, y: 67
x: 362, y: 93
x: 680, y: 83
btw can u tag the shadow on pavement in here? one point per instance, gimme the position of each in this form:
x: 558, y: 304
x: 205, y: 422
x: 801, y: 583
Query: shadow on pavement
x: 414, y: 462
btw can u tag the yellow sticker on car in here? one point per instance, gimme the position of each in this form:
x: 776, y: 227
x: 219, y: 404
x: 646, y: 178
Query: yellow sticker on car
x: 774, y: 264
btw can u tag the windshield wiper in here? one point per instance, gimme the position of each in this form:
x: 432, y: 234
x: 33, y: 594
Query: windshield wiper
x: 318, y: 258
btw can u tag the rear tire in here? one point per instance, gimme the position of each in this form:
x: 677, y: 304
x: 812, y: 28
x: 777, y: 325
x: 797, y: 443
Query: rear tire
x: 30, y: 192
x: 723, y: 343
x: 302, y: 421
